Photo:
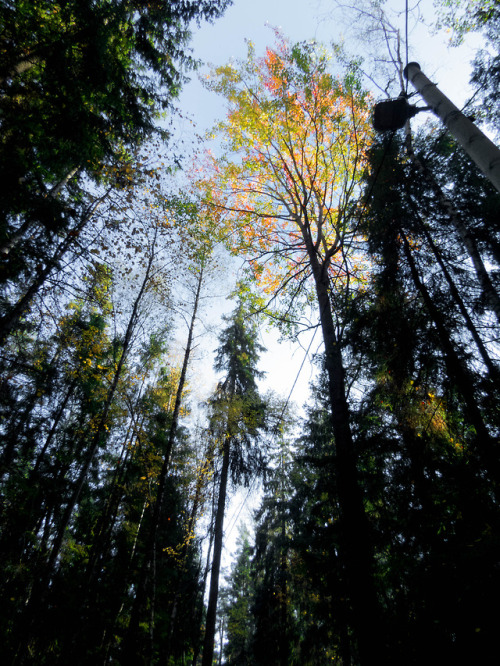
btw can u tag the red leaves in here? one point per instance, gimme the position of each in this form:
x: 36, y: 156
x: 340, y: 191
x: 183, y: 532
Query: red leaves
x: 297, y: 139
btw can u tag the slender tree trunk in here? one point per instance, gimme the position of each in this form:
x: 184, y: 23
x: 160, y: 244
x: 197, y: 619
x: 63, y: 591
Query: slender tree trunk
x: 221, y: 634
x: 283, y: 639
x: 41, y: 586
x: 15, y: 237
x: 30, y: 223
x: 108, y: 516
x: 210, y: 623
x: 483, y: 352
x: 24, y: 62
x: 199, y: 617
x: 55, y: 424
x: 131, y: 637
x: 11, y: 320
x: 57, y: 188
x: 16, y: 526
x: 12, y: 434
x: 197, y: 502
x: 100, y: 432
x: 491, y: 297
x: 484, y: 443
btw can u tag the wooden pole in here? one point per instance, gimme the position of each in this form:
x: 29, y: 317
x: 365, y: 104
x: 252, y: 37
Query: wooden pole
x: 477, y: 145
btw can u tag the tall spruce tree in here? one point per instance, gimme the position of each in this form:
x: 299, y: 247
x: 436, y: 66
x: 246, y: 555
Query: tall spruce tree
x: 237, y: 419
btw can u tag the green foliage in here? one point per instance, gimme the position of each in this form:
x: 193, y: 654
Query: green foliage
x: 461, y: 17
x: 424, y: 429
x: 237, y: 411
x: 50, y: 421
x: 84, y: 70
x: 486, y: 72
x: 236, y: 606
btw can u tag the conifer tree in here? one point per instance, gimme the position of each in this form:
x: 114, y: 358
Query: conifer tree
x: 427, y: 430
x: 236, y: 424
x: 236, y: 605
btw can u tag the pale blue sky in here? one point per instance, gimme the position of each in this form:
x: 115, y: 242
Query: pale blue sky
x: 316, y: 19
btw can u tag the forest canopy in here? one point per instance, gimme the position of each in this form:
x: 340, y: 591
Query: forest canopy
x: 375, y: 537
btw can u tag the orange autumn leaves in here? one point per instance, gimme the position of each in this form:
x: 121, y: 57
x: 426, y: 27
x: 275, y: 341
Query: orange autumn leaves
x: 294, y: 142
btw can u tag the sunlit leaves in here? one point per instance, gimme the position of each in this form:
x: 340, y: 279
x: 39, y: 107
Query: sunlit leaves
x: 296, y: 141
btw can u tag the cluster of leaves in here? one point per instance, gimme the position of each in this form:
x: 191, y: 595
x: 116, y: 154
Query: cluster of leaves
x: 300, y: 135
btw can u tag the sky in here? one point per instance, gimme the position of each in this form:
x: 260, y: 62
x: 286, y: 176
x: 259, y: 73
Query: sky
x: 320, y: 20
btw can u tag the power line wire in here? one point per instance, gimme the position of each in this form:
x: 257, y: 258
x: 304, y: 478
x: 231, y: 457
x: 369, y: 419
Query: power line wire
x: 406, y: 42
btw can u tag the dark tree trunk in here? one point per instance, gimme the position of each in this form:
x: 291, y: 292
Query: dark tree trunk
x: 491, y: 297
x: 131, y: 638
x: 10, y: 321
x: 484, y: 443
x: 41, y: 586
x: 356, y: 534
x: 199, y: 617
x: 210, y: 623
x: 283, y: 646
x: 483, y: 352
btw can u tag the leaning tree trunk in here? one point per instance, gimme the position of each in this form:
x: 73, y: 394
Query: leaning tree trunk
x: 101, y: 428
x: 41, y: 586
x: 490, y: 294
x: 485, y: 445
x: 483, y: 352
x: 23, y: 64
x: 11, y: 320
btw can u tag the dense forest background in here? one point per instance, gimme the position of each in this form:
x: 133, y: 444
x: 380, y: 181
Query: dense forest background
x: 377, y: 535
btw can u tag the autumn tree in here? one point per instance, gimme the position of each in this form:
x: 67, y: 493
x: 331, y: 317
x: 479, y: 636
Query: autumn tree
x: 297, y: 138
